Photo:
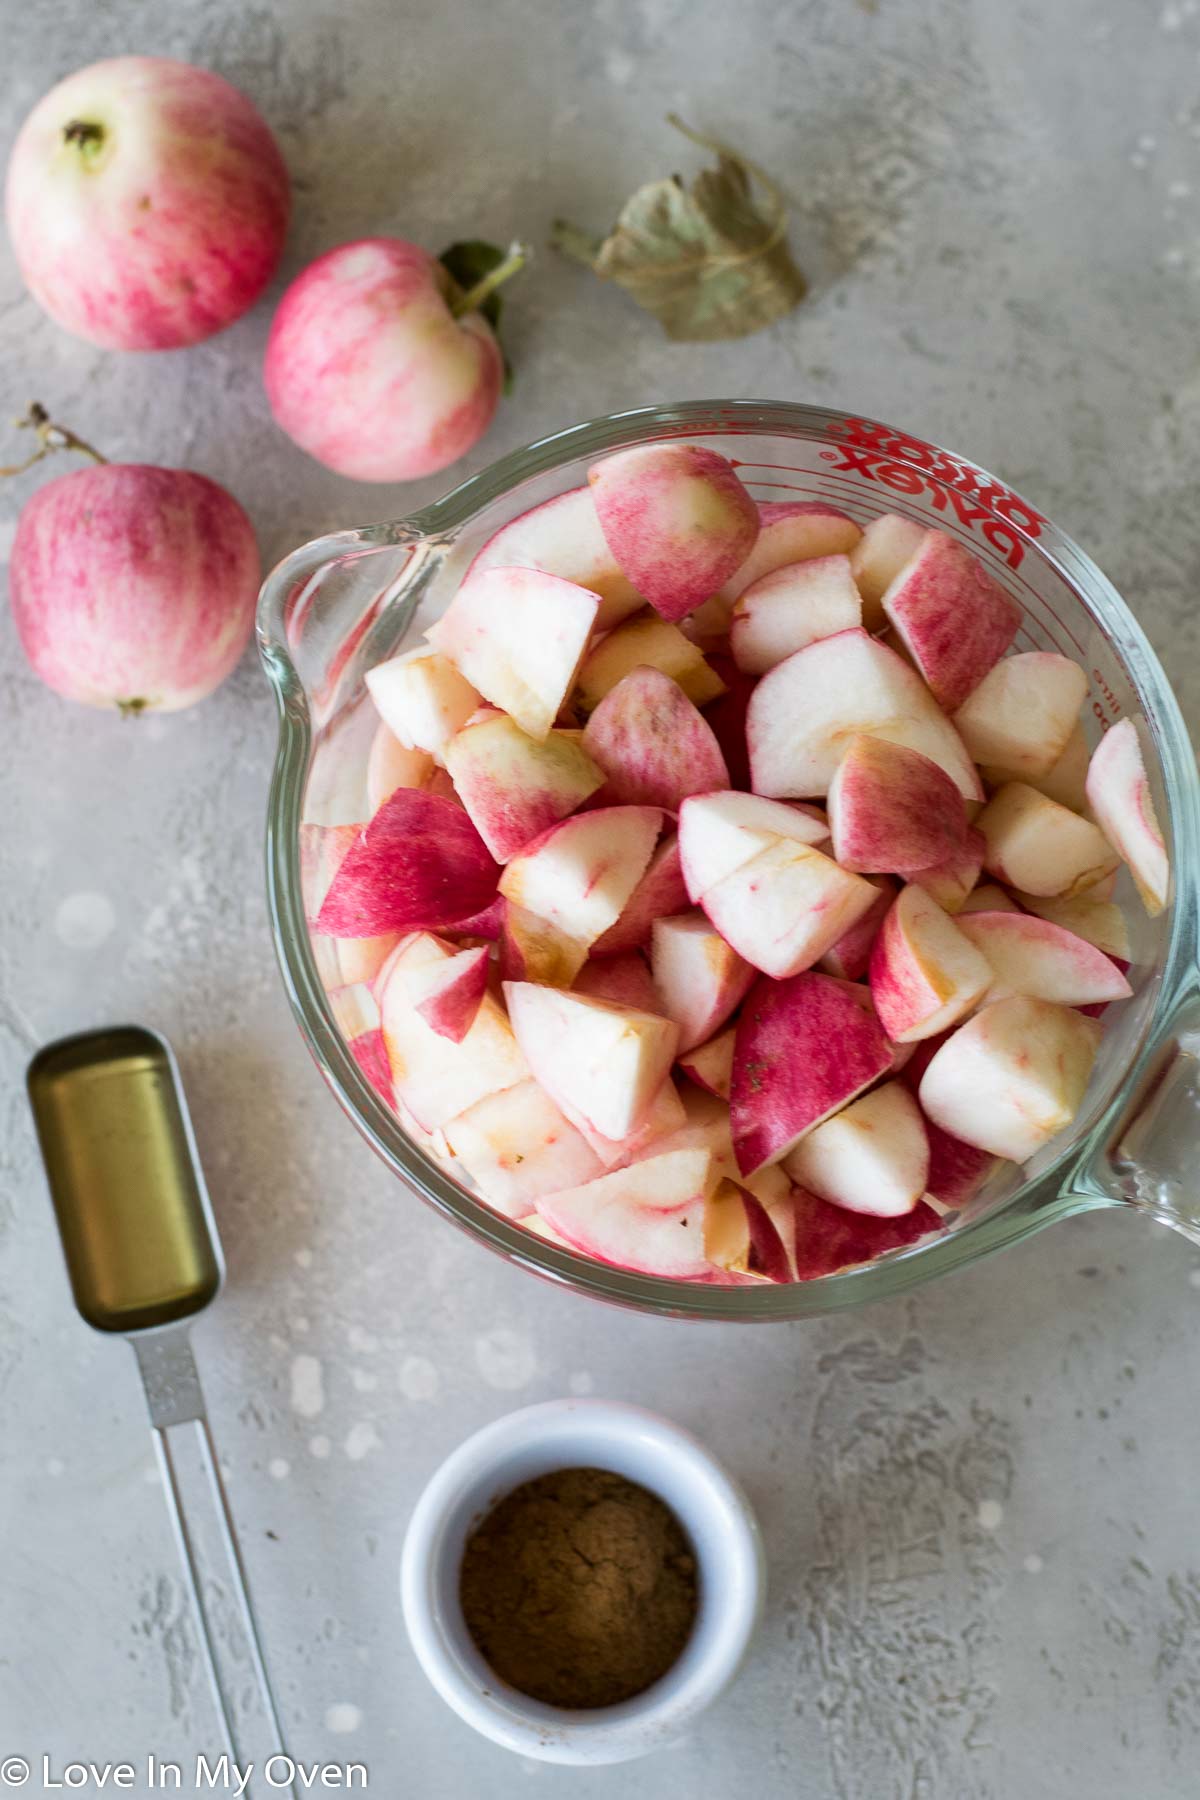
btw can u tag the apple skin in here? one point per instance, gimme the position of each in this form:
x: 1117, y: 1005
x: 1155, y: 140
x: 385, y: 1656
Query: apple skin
x: 625, y: 980
x: 133, y: 587
x: 163, y: 220
x: 677, y: 519
x: 924, y: 972
x: 829, y: 1238
x: 370, y: 1053
x: 660, y: 892
x: 368, y: 370
x: 886, y: 544
x: 954, y: 620
x: 450, y: 996
x: 893, y: 811
x: 653, y: 746
x: 562, y: 536
x: 850, y: 957
x: 804, y: 1048
x: 1118, y: 790
x: 649, y: 1216
x: 419, y: 862
x: 1043, y: 961
x: 513, y: 787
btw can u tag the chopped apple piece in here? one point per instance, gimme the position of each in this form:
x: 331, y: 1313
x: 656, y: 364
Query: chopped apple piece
x: 392, y: 765
x: 419, y: 861
x: 792, y: 531
x: 954, y: 619
x: 957, y: 1171
x: 700, y: 977
x: 828, y: 1238
x: 1066, y: 782
x: 871, y: 1158
x: 436, y: 1078
x: 677, y: 519
x: 660, y: 892
x: 1118, y: 790
x: 448, y: 995
x: 665, y: 1117
x: 850, y: 957
x: 887, y: 543
x: 987, y: 897
x: 710, y: 1065
x: 1037, y: 958
x: 1013, y: 1077
x: 1021, y: 716
x: 516, y: 1146
x: 651, y: 743
x: 786, y: 907
x: 792, y: 606
x: 925, y: 973
x: 579, y: 875
x: 1099, y: 921
x: 952, y: 880
x: 515, y: 787
x: 1036, y: 845
x: 518, y: 636
x: 804, y: 1049
x: 893, y: 811
x: 650, y: 642
x: 718, y: 833
x: 562, y: 537
x: 803, y: 714
x: 601, y: 1061
x: 649, y: 1216
x: 422, y: 699
x: 624, y: 979
x: 533, y: 949
x: 740, y: 1234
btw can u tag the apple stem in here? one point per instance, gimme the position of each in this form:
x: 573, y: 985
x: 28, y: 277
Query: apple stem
x: 51, y: 437
x: 518, y: 255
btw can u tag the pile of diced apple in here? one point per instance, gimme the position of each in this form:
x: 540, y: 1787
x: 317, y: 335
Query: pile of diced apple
x: 734, y: 902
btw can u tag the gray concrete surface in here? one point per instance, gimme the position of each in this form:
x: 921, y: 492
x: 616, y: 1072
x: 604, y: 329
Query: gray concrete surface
x: 979, y: 1503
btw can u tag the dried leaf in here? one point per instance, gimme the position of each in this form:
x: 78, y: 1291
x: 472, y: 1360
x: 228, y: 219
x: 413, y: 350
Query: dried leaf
x: 709, y: 262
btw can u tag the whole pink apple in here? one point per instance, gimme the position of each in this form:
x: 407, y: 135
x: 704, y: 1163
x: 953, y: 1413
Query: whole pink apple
x: 147, y: 203
x: 369, y: 370
x: 133, y: 586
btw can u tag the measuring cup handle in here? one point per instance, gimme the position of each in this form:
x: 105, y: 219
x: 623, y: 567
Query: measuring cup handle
x: 1148, y: 1157
x: 196, y: 1500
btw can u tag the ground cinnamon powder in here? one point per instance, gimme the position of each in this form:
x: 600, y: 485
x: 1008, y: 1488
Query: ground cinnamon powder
x: 579, y: 1588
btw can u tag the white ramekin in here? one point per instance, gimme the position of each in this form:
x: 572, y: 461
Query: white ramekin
x: 601, y: 1434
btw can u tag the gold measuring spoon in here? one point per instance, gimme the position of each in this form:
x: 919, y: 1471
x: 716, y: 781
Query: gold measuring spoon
x: 144, y: 1258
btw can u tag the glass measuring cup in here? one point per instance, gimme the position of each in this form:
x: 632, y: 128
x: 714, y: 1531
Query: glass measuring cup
x: 344, y: 602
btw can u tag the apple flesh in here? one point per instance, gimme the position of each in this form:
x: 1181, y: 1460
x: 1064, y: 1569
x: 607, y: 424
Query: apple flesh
x: 1036, y: 845
x: 515, y: 787
x: 651, y: 743
x: 871, y: 1158
x: 422, y: 698
x: 953, y: 619
x: 804, y: 1048
x: 893, y: 811
x: 951, y: 880
x: 419, y: 861
x: 448, y: 995
x: 645, y: 642
x: 368, y: 370
x: 1118, y: 791
x: 887, y: 543
x: 516, y: 1146
x: 925, y: 973
x: 792, y: 531
x: 1066, y: 782
x: 710, y: 1065
x: 1034, y: 957
x: 786, y: 907
x: 562, y: 536
x: 517, y: 635
x: 803, y: 714
x: 663, y: 1119
x: 435, y: 1077
x: 792, y: 606
x: 741, y: 1235
x: 659, y: 892
x: 1100, y: 922
x: 534, y: 949
x: 700, y: 977
x: 719, y: 833
x: 677, y: 520
x: 601, y: 1061
x: 147, y: 203
x: 133, y: 587
x: 1013, y: 1077
x: 579, y: 875
x: 987, y: 897
x: 648, y: 1217
x: 1021, y: 716
x: 850, y: 957
x: 391, y: 765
